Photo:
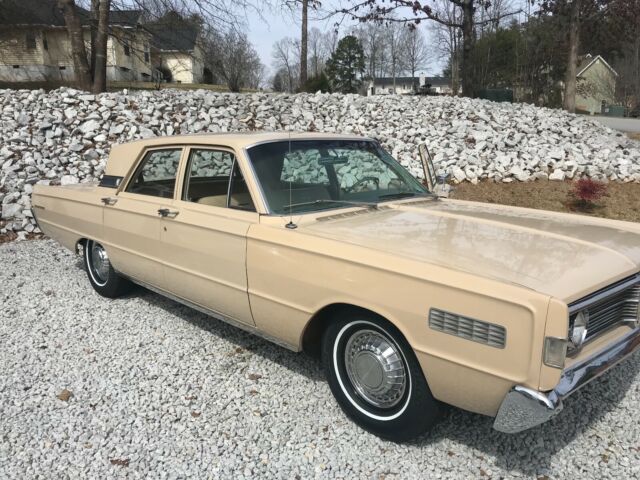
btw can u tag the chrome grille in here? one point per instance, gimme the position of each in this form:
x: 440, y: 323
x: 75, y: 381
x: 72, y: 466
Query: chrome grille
x: 606, y: 311
x: 467, y: 328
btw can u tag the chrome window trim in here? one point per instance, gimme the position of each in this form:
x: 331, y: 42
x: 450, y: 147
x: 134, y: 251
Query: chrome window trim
x: 233, y: 166
x: 302, y: 138
x: 123, y: 186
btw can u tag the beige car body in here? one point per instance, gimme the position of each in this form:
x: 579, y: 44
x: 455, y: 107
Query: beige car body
x: 513, y: 267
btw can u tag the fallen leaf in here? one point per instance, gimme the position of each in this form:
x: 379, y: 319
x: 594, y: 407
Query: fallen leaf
x: 195, y: 414
x: 65, y: 395
x: 253, y: 392
x: 482, y: 472
x: 254, y: 376
x: 121, y: 462
x: 451, y: 454
x: 605, y: 457
x: 190, y: 397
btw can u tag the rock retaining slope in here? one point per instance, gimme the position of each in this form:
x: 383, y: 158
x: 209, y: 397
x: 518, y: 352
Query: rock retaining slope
x: 64, y: 136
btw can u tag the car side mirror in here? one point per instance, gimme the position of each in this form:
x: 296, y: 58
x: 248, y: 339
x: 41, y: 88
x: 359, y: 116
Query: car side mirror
x: 427, y: 167
x: 435, y: 184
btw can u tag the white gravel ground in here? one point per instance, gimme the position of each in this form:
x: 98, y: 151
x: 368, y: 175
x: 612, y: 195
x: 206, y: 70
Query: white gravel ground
x: 161, y: 391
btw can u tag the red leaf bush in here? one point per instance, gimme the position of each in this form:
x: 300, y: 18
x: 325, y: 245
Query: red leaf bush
x: 588, y: 190
x: 585, y: 192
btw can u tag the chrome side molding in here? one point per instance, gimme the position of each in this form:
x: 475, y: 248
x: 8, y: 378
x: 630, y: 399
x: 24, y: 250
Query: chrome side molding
x: 212, y: 313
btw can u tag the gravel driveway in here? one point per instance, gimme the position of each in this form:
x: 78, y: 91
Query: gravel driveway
x: 143, y: 387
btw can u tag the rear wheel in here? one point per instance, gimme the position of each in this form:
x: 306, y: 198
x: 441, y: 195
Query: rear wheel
x: 103, y: 278
x: 376, y: 379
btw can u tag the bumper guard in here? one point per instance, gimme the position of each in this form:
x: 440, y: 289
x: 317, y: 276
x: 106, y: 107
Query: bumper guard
x: 524, y: 408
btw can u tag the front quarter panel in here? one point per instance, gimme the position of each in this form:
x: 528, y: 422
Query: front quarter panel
x: 292, y: 275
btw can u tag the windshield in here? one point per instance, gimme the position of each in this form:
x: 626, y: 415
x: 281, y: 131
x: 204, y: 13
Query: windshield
x: 311, y: 175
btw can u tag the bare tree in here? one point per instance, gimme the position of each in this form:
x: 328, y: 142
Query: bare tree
x: 373, y: 41
x: 100, y: 47
x: 319, y: 49
x: 417, y: 54
x: 237, y: 61
x: 285, y: 59
x: 395, y: 39
x: 448, y: 37
x: 76, y: 39
x: 414, y: 13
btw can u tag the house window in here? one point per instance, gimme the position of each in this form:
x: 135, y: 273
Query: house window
x: 45, y: 44
x: 30, y: 41
x: 127, y: 48
x: 147, y: 54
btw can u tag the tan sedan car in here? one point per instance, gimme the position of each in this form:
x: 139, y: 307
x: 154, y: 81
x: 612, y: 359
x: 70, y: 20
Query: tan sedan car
x: 324, y: 243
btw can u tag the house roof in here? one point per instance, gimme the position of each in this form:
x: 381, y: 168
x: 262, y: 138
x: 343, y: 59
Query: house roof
x: 171, y: 37
x: 47, y: 13
x: 411, y: 80
x: 31, y: 12
x: 588, y: 61
x: 125, y: 17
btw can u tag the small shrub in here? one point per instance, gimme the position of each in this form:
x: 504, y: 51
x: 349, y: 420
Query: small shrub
x: 321, y: 82
x: 585, y: 192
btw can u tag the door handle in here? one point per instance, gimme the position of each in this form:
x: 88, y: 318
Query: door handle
x: 165, y: 212
x: 109, y: 200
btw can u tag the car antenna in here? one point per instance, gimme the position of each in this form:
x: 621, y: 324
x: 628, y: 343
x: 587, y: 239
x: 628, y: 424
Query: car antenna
x: 290, y: 225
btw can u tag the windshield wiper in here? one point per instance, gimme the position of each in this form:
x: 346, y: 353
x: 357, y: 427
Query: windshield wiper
x: 324, y: 201
x: 398, y: 195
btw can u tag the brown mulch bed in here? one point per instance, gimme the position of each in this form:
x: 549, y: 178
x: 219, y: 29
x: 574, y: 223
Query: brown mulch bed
x: 621, y: 203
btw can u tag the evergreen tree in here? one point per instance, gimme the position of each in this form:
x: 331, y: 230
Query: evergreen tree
x: 346, y: 65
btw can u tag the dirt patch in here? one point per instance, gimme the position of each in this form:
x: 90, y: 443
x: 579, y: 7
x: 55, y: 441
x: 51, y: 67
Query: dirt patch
x: 621, y: 203
x: 634, y: 136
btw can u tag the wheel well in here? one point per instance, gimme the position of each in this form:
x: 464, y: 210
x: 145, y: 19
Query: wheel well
x: 313, y: 332
x: 80, y: 243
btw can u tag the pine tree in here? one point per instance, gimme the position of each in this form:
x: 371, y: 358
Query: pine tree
x: 346, y: 65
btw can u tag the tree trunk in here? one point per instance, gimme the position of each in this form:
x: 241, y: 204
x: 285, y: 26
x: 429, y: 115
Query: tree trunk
x: 468, y: 40
x: 95, y: 8
x: 455, y: 73
x: 76, y: 39
x: 570, y: 80
x: 303, y: 44
x: 102, y: 37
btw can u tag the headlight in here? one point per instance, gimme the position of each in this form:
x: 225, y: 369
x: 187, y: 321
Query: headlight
x: 578, y: 329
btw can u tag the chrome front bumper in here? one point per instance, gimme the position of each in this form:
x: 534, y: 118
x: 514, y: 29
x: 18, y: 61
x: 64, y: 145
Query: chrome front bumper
x: 524, y: 408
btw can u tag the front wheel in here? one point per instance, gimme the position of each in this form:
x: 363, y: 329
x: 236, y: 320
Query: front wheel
x: 103, y: 278
x: 376, y: 379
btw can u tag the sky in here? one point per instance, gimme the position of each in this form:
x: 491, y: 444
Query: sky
x: 269, y: 25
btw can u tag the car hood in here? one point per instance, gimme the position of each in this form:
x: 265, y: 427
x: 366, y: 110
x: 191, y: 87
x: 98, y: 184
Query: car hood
x: 564, y: 256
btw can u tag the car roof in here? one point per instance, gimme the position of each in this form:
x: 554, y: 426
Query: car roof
x: 123, y: 155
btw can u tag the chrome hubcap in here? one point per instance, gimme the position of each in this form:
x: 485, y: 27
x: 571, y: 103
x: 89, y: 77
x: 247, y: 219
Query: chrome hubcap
x: 375, y: 368
x: 99, y: 262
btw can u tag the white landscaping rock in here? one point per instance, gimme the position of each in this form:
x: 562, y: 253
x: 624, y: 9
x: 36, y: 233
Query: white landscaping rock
x: 65, y: 135
x: 557, y: 175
